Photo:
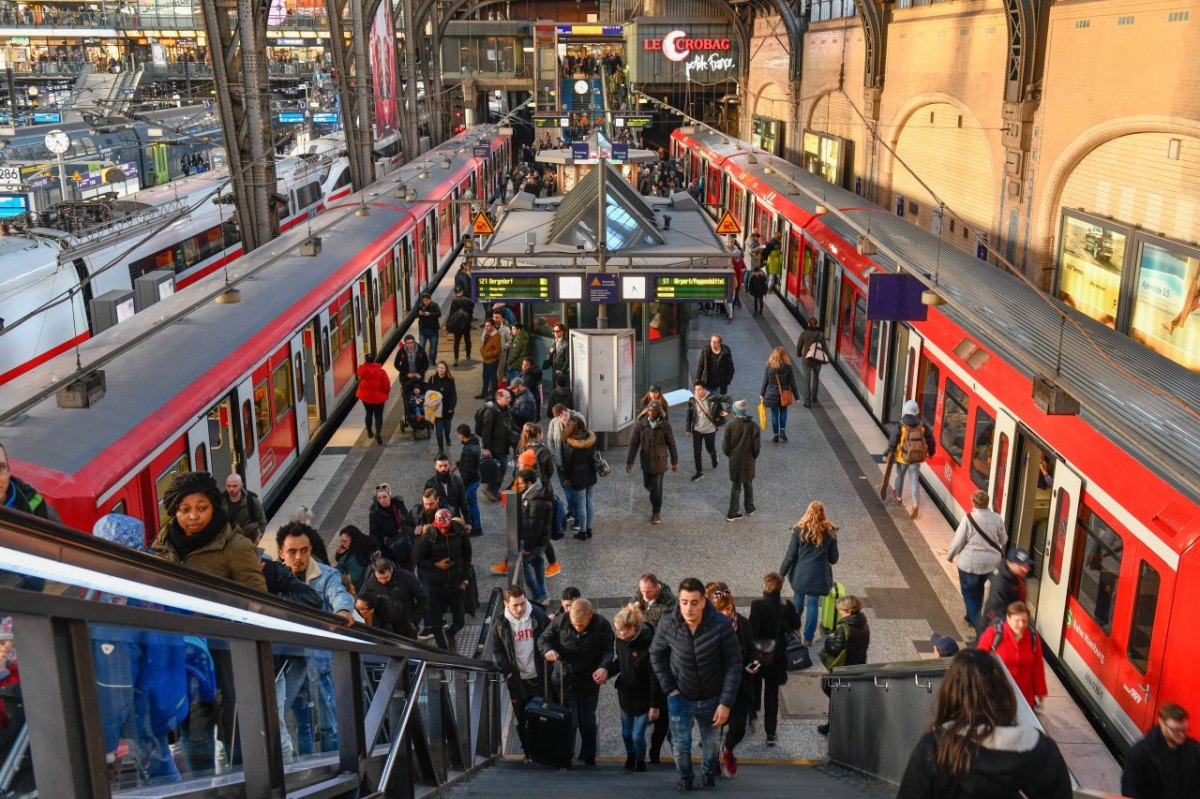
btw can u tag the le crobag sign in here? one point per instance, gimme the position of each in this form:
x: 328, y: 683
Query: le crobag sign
x: 698, y: 54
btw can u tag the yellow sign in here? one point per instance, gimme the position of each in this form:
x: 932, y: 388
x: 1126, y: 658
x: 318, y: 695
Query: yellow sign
x: 728, y: 225
x: 482, y: 226
x: 78, y: 178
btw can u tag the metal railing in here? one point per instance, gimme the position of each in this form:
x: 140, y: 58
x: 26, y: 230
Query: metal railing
x: 104, y: 633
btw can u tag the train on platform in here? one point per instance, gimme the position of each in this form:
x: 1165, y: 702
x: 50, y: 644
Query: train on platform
x: 1107, y: 500
x: 81, y: 250
x: 253, y: 385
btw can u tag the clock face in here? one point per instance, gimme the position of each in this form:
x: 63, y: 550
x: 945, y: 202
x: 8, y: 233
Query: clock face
x: 58, y: 142
x: 581, y: 87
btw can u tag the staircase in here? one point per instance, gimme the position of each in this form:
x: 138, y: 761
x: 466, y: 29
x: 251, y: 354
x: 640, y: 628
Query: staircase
x: 609, y: 779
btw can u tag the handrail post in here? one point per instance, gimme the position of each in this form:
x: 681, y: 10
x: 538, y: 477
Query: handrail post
x: 348, y: 699
x: 257, y: 717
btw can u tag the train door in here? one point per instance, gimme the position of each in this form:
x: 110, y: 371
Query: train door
x: 1140, y: 667
x: 387, y: 296
x: 1028, y: 507
x: 880, y: 355
x: 404, y: 275
x: 1003, y: 454
x: 218, y: 434
x: 749, y: 219
x: 1055, y: 559
x: 712, y: 188
x: 902, y: 362
x: 793, y: 256
x: 316, y: 371
x: 341, y: 343
x: 369, y: 333
x: 244, y: 397
x: 361, y: 324
x: 301, y: 378
x: 275, y: 414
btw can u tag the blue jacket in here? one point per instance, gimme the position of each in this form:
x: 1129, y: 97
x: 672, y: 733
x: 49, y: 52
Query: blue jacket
x: 327, y: 582
x: 808, y: 568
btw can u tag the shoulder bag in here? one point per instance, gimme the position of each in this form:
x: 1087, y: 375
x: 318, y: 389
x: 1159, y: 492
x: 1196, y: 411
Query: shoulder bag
x: 602, y: 467
x: 979, y: 530
x: 817, y: 352
x: 717, y: 422
x: 798, y: 658
x: 785, y: 394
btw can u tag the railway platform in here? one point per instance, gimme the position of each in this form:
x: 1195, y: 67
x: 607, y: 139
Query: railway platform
x: 894, y: 563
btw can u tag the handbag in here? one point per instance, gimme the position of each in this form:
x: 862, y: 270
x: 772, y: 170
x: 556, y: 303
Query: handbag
x: 766, y: 650
x: 785, y: 394
x: 798, y: 658
x: 762, y: 415
x: 817, y: 353
x: 602, y: 467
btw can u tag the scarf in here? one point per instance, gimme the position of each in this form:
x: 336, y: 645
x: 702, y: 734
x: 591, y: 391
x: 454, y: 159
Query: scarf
x: 186, y: 544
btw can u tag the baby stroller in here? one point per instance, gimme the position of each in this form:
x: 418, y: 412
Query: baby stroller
x: 414, y: 410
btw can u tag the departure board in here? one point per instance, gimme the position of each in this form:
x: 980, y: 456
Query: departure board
x: 691, y: 287
x: 512, y: 287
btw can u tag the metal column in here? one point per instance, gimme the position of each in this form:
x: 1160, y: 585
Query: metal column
x: 352, y: 71
x: 238, y: 42
x: 411, y: 118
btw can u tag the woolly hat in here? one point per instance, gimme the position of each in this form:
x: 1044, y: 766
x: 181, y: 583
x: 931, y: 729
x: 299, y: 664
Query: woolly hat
x: 739, y: 408
x: 442, y: 518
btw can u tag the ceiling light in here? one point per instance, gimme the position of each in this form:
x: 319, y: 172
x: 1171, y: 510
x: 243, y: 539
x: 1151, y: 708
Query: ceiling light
x: 230, y: 296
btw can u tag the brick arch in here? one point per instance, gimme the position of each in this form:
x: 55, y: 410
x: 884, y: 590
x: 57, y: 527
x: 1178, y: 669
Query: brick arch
x: 901, y: 117
x: 1084, y: 144
x: 771, y: 88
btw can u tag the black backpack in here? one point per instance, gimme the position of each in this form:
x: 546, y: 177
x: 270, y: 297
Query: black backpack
x: 479, y: 415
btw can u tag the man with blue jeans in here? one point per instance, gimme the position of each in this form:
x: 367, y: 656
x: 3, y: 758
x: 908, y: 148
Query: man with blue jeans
x: 468, y: 469
x: 979, y: 544
x: 429, y: 322
x: 582, y: 641
x: 535, y: 521
x: 697, y: 659
x: 910, y: 443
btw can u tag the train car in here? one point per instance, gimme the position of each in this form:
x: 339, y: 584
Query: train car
x: 1106, y: 500
x: 248, y: 387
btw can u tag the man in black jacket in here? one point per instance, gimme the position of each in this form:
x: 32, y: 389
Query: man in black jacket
x: 1006, y: 585
x: 536, y: 518
x: 444, y: 553
x: 1166, y: 763
x: 516, y: 635
x: 698, y: 662
x: 582, y: 641
x: 450, y: 488
x: 468, y: 470
x: 497, y: 436
x: 429, y: 323
x: 715, y: 367
x: 401, y: 593
x: 458, y: 321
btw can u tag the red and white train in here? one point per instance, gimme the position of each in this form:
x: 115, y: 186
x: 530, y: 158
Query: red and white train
x: 1107, y: 501
x: 192, y: 384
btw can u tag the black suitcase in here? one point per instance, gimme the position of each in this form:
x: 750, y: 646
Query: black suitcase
x: 550, y: 729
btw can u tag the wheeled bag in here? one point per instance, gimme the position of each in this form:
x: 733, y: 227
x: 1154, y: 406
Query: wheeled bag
x: 829, y: 615
x: 550, y: 728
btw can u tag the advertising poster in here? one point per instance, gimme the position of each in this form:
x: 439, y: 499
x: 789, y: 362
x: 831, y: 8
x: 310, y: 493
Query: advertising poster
x: 1091, y: 259
x: 1166, y: 308
x: 383, y: 73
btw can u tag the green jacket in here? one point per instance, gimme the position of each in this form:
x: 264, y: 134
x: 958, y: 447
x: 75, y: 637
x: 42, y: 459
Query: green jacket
x: 231, y: 555
x: 517, y: 350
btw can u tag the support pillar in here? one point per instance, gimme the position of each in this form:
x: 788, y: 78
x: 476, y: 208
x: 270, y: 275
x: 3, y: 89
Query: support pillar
x: 410, y: 114
x: 348, y: 42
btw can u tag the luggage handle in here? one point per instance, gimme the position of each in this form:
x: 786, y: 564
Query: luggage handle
x: 562, y: 682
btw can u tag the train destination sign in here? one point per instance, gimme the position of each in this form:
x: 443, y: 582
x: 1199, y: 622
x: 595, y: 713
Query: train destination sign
x: 512, y: 287
x: 691, y: 287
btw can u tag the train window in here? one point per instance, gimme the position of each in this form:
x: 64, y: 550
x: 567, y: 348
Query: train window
x: 1141, y: 628
x: 164, y: 482
x: 262, y: 410
x: 664, y: 320
x: 873, y: 350
x: 281, y: 385
x: 308, y: 195
x: 299, y: 375
x: 954, y: 421
x: 335, y: 339
x: 343, y: 179
x: 981, y: 449
x: 347, y: 328
x: 859, y: 338
x: 120, y: 508
x: 200, y: 457
x: 930, y: 380
x: 1001, y: 474
x: 1099, y: 565
x: 247, y: 428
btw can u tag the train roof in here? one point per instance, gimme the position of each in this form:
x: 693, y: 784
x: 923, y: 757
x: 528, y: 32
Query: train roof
x: 189, y: 345
x: 1016, y: 321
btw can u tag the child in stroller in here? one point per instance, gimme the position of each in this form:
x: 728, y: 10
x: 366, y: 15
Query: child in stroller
x: 414, y: 409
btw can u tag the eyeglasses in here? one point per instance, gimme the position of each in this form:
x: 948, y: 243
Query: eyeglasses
x: 383, y: 487
x: 1180, y: 730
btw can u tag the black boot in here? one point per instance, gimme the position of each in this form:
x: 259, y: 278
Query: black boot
x: 588, y: 532
x: 640, y: 766
x: 629, y: 763
x: 581, y: 536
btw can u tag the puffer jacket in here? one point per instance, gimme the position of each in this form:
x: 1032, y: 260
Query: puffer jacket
x: 405, y: 598
x: 537, y: 515
x: 385, y: 525
x: 468, y: 461
x: 25, y: 498
x: 807, y: 567
x: 579, y: 462
x: 701, y: 666
x: 373, y: 384
x: 230, y: 555
x: 637, y: 690
x: 433, y: 547
x: 853, y: 634
x: 656, y: 444
x: 770, y: 388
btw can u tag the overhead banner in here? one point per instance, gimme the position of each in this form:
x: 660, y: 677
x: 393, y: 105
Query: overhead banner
x: 668, y: 52
x: 383, y: 73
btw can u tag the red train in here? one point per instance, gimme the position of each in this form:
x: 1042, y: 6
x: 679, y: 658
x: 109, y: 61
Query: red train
x: 1107, y: 501
x: 249, y: 387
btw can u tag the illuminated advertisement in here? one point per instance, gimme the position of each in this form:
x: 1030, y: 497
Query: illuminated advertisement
x: 823, y: 156
x: 1091, y: 262
x: 1166, y: 303
x: 383, y: 73
x: 667, y: 52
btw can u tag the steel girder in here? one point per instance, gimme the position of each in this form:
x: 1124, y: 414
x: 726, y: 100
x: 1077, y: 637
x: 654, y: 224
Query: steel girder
x: 351, y: 58
x: 239, y: 51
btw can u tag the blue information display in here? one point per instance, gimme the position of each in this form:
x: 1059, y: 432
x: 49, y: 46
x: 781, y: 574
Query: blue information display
x: 620, y: 152
x: 481, y: 151
x: 895, y: 298
x: 325, y: 119
x: 13, y: 205
x: 292, y: 118
x: 46, y: 117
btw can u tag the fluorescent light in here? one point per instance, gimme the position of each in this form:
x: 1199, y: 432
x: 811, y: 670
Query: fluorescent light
x: 570, y: 287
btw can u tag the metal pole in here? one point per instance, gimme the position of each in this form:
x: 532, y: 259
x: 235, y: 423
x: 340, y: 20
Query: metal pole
x: 62, y: 177
x: 12, y: 96
x: 187, y: 72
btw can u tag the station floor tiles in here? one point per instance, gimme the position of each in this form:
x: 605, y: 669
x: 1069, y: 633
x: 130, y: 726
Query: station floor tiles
x: 894, y: 564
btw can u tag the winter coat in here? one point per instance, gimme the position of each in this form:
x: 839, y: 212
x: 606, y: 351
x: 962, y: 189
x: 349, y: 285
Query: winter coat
x: 373, y: 384
x: 807, y: 566
x: 1004, y: 588
x: 559, y: 359
x: 489, y: 349
x: 25, y: 498
x: 229, y: 555
x: 452, y: 493
x: 715, y: 369
x: 524, y: 408
x: 405, y: 600
x: 1023, y: 659
x: 741, y: 445
x: 559, y: 396
x: 429, y: 317
x: 385, y: 525
x: 417, y: 362
x: 537, y: 516
x: 462, y: 280
x: 1012, y: 761
x: 459, y: 319
x: 353, y: 568
x: 775, y: 262
x: 714, y: 406
x: 745, y: 637
x: 504, y: 651
x: 581, y: 653
x: 518, y: 349
x: 852, y: 634
x: 433, y: 547
x: 653, y: 612
x: 770, y: 386
x: 772, y: 618
x: 245, y: 512
x: 703, y: 665
x: 449, y: 391
x: 756, y: 284
x: 579, y: 462
x: 894, y: 438
x: 637, y: 690
x: 1155, y: 771
x: 496, y: 430
x: 468, y: 460
x: 656, y: 444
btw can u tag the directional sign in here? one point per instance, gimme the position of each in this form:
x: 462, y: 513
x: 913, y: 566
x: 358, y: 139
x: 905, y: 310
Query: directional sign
x: 691, y: 287
x: 482, y: 226
x: 728, y: 225
x: 512, y: 287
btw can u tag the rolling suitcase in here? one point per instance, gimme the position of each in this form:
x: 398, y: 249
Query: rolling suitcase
x: 829, y: 607
x: 550, y: 728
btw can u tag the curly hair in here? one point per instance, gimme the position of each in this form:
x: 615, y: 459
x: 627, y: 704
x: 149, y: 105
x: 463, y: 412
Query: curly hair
x: 815, y: 525
x: 185, y: 484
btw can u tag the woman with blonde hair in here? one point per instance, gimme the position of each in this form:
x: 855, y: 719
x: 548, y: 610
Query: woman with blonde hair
x: 721, y: 597
x: 808, y: 564
x: 638, y: 692
x: 778, y: 391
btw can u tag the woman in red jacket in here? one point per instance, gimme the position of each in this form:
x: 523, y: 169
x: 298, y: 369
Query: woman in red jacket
x: 1016, y: 643
x: 373, y: 388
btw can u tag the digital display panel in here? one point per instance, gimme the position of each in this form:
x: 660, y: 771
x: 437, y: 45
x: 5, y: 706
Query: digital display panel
x: 691, y: 287
x: 512, y: 287
x: 1166, y: 306
x: 12, y: 205
x: 1091, y: 265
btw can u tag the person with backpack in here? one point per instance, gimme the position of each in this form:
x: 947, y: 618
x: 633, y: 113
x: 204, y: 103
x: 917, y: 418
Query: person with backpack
x: 494, y: 426
x: 458, y: 322
x: 808, y: 564
x: 771, y: 623
x: 978, y: 544
x: 910, y: 443
x: 812, y: 352
x: 1015, y: 642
